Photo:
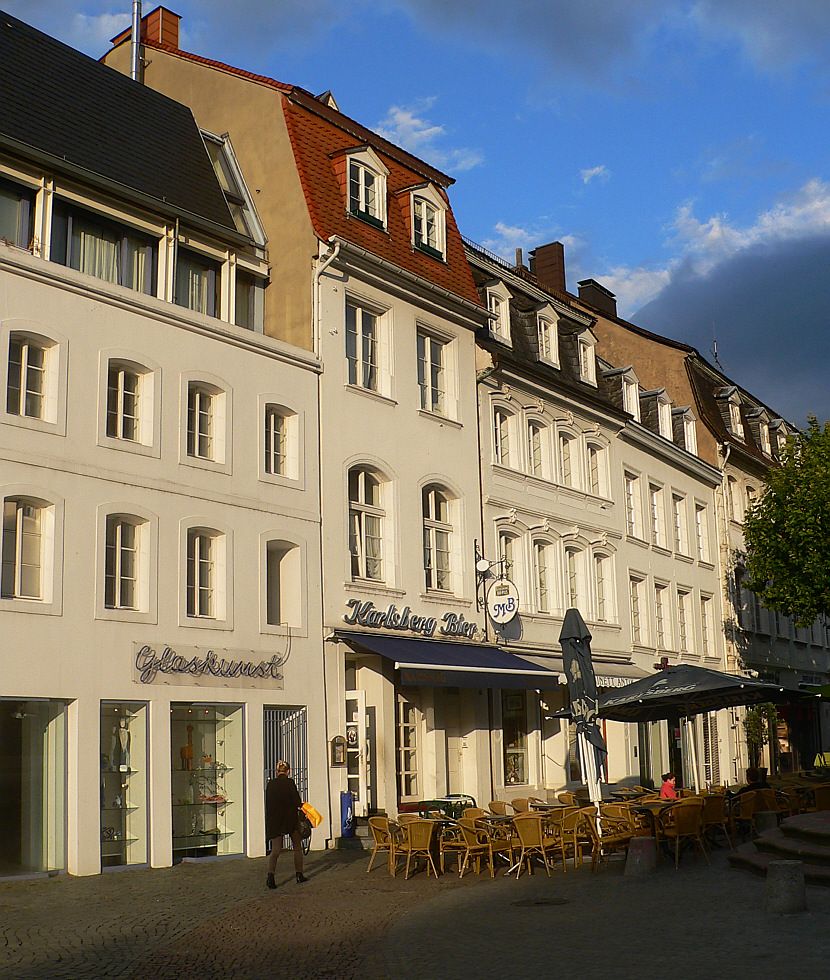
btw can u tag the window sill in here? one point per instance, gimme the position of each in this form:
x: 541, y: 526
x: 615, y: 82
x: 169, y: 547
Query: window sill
x: 679, y: 556
x: 705, y: 563
x: 128, y: 446
x: 150, y: 618
x: 445, y: 599
x: 549, y: 363
x: 373, y: 587
x: 35, y: 607
x: 369, y: 393
x: 369, y: 219
x: 34, y: 424
x: 440, y: 419
x: 205, y: 624
x: 283, y: 629
x: 633, y: 539
x: 275, y: 479
x: 661, y: 549
x: 425, y: 249
x: 209, y: 465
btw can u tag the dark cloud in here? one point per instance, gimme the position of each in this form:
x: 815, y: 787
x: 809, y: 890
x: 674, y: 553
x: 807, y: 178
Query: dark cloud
x: 769, y: 308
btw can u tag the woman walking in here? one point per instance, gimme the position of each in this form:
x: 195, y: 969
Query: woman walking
x: 282, y: 806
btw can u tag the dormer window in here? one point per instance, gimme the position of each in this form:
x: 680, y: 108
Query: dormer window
x: 232, y: 182
x: 587, y: 357
x: 548, y: 332
x: 367, y: 187
x: 664, y: 416
x: 735, y: 423
x: 631, y: 394
x: 685, y: 432
x: 498, y: 303
x: 428, y: 210
x: 765, y: 443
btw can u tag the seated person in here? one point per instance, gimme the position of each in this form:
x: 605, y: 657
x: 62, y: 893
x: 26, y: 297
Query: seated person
x: 753, y: 781
x: 667, y: 790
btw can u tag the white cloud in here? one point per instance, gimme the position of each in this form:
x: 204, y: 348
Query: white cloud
x: 508, y: 238
x: 601, y: 173
x: 408, y: 127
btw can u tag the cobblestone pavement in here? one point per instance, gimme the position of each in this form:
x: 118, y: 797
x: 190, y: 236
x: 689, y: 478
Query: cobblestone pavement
x: 216, y: 921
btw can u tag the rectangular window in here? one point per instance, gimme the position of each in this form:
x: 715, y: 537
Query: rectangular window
x: 197, y: 282
x: 632, y: 505
x: 26, y: 387
x: 200, y: 412
x: 437, y: 536
x: 362, y: 347
x: 427, y: 228
x: 572, y: 578
x: 566, y: 461
x: 122, y: 403
x: 658, y: 521
x: 16, y: 214
x: 364, y: 187
x: 706, y: 623
x: 365, y: 525
x: 514, y: 726
x: 275, y: 442
x: 432, y: 379
x: 635, y: 590
x: 683, y: 621
x: 702, y: 528
x: 22, y: 550
x: 660, y: 615
x: 594, y: 473
x: 534, y: 448
x: 201, y: 575
x: 601, y: 585
x: 104, y: 249
x: 121, y: 564
x: 249, y: 310
x: 501, y: 436
x: 678, y: 503
x: 540, y: 560
x: 548, y: 340
x: 407, y: 746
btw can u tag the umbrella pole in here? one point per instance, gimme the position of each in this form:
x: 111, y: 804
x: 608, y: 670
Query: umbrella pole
x: 588, y: 760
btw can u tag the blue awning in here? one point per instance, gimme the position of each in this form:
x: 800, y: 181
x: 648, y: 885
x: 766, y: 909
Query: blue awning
x: 437, y: 663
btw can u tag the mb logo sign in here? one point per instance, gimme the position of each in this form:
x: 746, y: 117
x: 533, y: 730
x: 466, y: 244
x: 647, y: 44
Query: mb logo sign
x: 502, y: 601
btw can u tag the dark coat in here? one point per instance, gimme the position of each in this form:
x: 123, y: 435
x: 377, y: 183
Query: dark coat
x: 282, y: 801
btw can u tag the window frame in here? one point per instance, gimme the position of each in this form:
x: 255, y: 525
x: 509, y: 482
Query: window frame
x: 426, y: 340
x: 361, y: 163
x: 290, y: 555
x: 547, y: 335
x: 221, y: 395
x: 433, y: 528
x: 587, y: 357
x: 544, y: 594
x: 503, y: 430
x: 355, y: 362
x: 221, y: 557
x: 55, y: 346
x: 360, y: 511
x: 633, y: 505
x: 51, y: 510
x: 680, y: 524
x: 426, y: 196
x: 498, y: 305
x: 148, y: 442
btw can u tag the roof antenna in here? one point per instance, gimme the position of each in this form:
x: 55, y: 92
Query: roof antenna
x: 714, y: 351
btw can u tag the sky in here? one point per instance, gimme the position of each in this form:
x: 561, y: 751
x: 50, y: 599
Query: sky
x: 678, y: 148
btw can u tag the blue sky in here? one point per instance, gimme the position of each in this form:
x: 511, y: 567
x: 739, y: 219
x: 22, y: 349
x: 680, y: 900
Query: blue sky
x: 677, y: 147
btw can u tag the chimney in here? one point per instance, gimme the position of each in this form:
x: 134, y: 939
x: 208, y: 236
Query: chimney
x: 160, y: 26
x: 593, y: 292
x: 547, y: 263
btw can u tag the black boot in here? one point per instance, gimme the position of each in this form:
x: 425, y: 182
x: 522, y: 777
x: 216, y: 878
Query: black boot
x: 269, y: 881
x: 301, y: 878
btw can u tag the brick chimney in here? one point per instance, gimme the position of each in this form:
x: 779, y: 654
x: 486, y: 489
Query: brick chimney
x: 160, y: 25
x: 547, y: 263
x: 597, y: 295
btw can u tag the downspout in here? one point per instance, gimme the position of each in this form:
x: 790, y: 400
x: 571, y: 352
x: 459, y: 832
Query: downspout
x: 135, y: 43
x: 317, y: 342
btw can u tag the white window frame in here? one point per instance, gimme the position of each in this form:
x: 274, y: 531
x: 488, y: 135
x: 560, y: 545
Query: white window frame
x: 547, y: 328
x: 363, y: 163
x: 603, y: 585
x: 706, y: 625
x: 360, y: 512
x: 683, y: 619
x: 568, y: 452
x: 631, y: 395
x: 597, y: 475
x: 638, y: 612
x: 662, y: 618
x: 435, y: 399
x: 586, y: 351
x: 689, y: 433
x: 148, y: 430
x: 680, y: 524
x: 51, y: 509
x: 146, y: 525
x: 543, y: 578
x: 736, y: 424
x: 573, y: 571
x: 704, y: 550
x: 436, y: 532
x: 221, y: 407
x: 498, y: 304
x: 427, y: 197
x: 221, y: 557
x: 504, y: 437
x: 633, y: 505
x: 657, y: 514
x: 508, y: 545
x: 356, y: 363
x: 538, y: 448
x: 55, y: 346
x: 664, y: 422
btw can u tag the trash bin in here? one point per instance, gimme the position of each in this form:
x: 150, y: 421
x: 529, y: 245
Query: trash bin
x: 347, y: 814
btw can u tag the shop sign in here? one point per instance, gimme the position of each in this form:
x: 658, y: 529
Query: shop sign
x: 502, y: 601
x: 365, y: 613
x: 205, y: 666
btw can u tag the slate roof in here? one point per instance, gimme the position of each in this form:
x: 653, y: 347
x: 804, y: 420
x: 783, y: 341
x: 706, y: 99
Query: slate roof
x: 68, y: 110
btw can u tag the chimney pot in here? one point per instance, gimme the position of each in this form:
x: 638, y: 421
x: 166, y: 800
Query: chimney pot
x: 547, y: 263
x: 593, y: 292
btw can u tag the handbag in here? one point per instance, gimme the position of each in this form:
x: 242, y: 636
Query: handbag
x: 314, y: 816
x: 304, y: 824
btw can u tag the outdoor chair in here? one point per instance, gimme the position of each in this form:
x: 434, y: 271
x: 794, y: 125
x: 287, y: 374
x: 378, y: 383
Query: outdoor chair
x: 681, y: 822
x: 714, y: 817
x: 537, y: 839
x: 821, y: 796
x: 480, y: 843
x: 605, y: 840
x: 385, y: 835
x: 473, y: 812
x: 499, y: 807
x: 619, y: 814
x: 451, y: 842
x: 520, y: 805
x: 569, y: 826
x: 417, y: 842
x: 404, y: 818
x: 566, y: 797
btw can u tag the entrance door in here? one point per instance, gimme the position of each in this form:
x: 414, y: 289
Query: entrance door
x: 286, y: 738
x: 357, y: 751
x: 455, y: 742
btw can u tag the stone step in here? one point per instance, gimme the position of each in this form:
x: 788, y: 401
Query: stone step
x: 813, y: 827
x: 792, y: 848
x: 749, y: 858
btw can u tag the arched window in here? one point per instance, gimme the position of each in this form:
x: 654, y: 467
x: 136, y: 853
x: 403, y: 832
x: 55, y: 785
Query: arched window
x: 366, y: 517
x: 503, y: 451
x: 542, y: 577
x: 437, y: 539
x: 23, y: 549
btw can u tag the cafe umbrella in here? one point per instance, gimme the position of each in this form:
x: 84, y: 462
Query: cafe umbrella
x: 688, y: 690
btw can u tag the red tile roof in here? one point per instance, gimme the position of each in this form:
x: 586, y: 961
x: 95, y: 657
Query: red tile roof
x: 316, y: 141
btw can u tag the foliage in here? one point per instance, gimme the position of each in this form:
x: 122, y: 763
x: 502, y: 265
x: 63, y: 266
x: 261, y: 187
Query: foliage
x: 787, y: 530
x: 759, y: 723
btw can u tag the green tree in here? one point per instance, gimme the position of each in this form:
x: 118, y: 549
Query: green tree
x: 787, y: 530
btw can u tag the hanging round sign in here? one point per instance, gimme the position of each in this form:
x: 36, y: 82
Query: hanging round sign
x: 502, y: 601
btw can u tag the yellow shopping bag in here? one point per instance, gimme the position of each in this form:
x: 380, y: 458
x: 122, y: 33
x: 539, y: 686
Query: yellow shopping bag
x: 314, y: 817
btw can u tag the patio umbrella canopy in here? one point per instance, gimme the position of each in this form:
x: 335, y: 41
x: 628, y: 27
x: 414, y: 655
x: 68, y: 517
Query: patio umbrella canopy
x: 689, y: 690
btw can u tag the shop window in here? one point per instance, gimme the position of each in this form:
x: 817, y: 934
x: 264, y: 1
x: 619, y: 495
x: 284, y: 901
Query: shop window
x: 515, y: 729
x: 103, y: 248
x: 123, y: 784
x: 366, y: 518
x: 207, y: 786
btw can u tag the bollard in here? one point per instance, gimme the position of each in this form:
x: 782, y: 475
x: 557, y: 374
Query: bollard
x: 642, y: 857
x: 784, y: 892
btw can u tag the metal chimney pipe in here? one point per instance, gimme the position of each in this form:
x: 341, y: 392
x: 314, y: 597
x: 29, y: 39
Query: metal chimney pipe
x: 135, y: 43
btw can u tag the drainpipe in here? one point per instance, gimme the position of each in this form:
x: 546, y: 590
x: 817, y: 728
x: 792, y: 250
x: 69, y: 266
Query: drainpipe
x: 318, y: 272
x: 135, y: 43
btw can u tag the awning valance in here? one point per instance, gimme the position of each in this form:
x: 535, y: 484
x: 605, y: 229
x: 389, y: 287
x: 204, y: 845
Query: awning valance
x: 436, y: 663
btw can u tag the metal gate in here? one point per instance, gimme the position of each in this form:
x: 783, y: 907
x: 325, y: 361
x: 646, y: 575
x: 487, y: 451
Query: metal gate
x: 286, y: 737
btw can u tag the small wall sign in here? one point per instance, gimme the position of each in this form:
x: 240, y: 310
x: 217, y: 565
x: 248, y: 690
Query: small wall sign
x: 338, y: 751
x: 502, y: 601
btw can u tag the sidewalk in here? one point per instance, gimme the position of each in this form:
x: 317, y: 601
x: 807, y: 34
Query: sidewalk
x: 216, y: 921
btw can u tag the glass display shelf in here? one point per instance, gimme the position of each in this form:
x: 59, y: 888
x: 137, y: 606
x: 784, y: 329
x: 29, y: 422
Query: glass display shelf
x: 219, y: 769
x: 206, y: 803
x: 118, y: 809
x: 119, y: 842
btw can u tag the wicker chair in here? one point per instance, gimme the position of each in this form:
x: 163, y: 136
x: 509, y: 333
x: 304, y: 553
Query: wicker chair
x: 451, y: 843
x: 821, y: 796
x: 385, y: 836
x: 715, y: 816
x: 499, y: 807
x: 417, y: 842
x: 537, y: 838
x: 682, y: 822
x: 404, y: 818
x: 480, y: 842
x: 520, y: 805
x: 473, y: 812
x: 566, y: 797
x: 605, y: 840
x: 573, y: 838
